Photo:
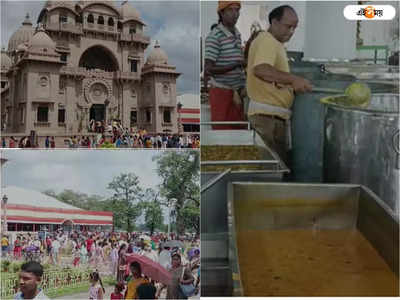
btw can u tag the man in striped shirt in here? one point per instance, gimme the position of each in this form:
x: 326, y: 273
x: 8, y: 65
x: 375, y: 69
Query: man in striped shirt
x: 224, y: 66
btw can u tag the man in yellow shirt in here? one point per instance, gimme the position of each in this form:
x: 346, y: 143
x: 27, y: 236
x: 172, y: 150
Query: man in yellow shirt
x: 270, y: 86
x: 136, y: 281
x: 4, y: 246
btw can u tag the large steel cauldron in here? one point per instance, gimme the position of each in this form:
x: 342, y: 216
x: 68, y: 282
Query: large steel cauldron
x: 362, y: 146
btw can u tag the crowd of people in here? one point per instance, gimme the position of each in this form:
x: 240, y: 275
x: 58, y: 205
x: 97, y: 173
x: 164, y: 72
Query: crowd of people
x: 111, y: 253
x: 136, y: 139
x: 133, y: 139
x: 23, y: 142
x: 140, y: 138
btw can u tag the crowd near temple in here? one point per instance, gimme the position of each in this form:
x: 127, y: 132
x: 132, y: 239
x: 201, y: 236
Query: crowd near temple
x: 80, y: 68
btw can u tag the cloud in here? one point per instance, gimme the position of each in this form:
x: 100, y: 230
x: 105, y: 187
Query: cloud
x: 13, y: 14
x: 173, y: 39
x: 84, y: 171
x: 177, y: 27
x: 176, y: 24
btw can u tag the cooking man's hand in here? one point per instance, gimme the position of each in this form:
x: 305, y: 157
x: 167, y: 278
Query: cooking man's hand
x: 301, y: 85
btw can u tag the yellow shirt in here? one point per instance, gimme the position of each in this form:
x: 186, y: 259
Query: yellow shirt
x: 266, y: 49
x: 4, y: 241
x: 132, y: 286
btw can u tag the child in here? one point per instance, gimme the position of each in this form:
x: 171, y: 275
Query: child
x: 119, y: 287
x: 96, y: 290
x: 77, y: 255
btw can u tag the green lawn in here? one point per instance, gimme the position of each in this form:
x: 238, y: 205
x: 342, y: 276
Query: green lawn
x: 60, y: 292
x: 65, y: 291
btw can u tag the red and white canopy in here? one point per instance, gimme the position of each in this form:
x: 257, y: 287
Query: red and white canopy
x: 190, y: 111
x: 29, y: 206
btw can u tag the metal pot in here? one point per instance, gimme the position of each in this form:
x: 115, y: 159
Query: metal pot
x: 308, y: 130
x: 362, y: 146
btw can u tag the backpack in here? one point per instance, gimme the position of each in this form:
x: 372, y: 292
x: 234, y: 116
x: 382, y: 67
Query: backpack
x: 255, y: 30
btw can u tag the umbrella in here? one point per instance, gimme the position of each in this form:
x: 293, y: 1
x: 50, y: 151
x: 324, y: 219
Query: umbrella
x: 165, y: 259
x: 173, y: 244
x: 145, y: 237
x: 192, y: 251
x: 150, y: 268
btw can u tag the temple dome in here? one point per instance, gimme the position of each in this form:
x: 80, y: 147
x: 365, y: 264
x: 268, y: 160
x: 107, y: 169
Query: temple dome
x: 40, y: 40
x: 22, y: 35
x: 5, y: 61
x: 128, y: 12
x: 157, y: 56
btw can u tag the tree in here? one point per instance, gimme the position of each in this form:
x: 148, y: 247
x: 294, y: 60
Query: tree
x: 50, y: 193
x: 191, y: 217
x: 126, y: 201
x: 77, y: 199
x: 180, y: 172
x: 117, y: 208
x: 153, y: 212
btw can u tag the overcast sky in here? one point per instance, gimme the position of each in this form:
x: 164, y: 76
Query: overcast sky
x: 176, y: 24
x: 83, y: 171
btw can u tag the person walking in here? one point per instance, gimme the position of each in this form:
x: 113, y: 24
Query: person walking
x: 83, y: 254
x: 117, y: 294
x: 180, y: 275
x: 114, y: 259
x: 96, y: 290
x: 47, y: 142
x: 122, y: 263
x: 55, y: 251
x: 52, y: 143
x: 18, y: 248
x: 76, y: 253
x: 48, y: 245
x: 12, y: 142
x: 136, y: 280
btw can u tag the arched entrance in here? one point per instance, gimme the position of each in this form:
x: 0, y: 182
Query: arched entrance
x: 98, y: 112
x: 98, y: 57
x: 67, y: 225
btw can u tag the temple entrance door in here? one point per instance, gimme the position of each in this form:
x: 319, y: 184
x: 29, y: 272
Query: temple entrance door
x: 97, y: 112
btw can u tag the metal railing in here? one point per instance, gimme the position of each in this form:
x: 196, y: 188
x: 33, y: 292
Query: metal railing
x: 80, y: 71
x: 51, y: 280
x: 127, y: 75
x: 134, y: 37
x: 100, y: 27
x: 42, y: 124
x: 227, y: 123
x: 75, y: 28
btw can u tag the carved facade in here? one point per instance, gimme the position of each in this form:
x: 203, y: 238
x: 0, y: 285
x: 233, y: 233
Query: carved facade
x: 85, y: 61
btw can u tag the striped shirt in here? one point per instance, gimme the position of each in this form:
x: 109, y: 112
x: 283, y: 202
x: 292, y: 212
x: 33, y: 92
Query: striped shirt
x: 225, y: 49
